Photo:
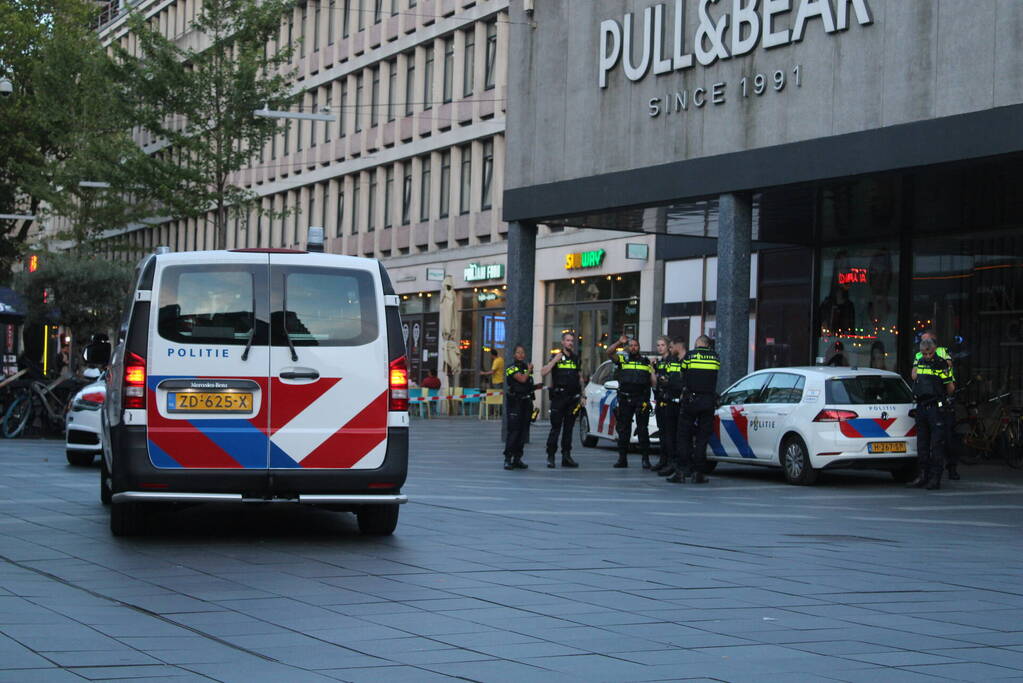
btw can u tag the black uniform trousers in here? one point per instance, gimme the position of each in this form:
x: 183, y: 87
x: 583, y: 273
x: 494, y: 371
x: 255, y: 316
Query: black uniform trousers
x: 520, y: 410
x: 629, y: 406
x: 952, y: 442
x: 695, y: 424
x: 563, y: 405
x: 667, y: 428
x: 931, y: 436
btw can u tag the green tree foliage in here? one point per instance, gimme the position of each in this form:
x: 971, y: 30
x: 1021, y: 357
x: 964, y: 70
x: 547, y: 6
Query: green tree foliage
x: 83, y: 293
x: 200, y: 101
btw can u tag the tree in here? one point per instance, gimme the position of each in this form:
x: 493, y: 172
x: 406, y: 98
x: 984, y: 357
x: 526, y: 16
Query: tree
x: 82, y: 293
x: 201, y: 102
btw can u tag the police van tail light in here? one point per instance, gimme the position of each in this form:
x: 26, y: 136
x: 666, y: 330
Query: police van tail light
x: 831, y: 415
x: 398, y: 385
x: 134, y: 381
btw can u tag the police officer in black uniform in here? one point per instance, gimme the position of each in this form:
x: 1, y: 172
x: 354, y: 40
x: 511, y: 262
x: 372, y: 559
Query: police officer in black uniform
x: 951, y: 452
x: 932, y: 385
x: 519, y: 390
x: 635, y: 378
x: 669, y: 405
x: 565, y: 391
x: 696, y: 420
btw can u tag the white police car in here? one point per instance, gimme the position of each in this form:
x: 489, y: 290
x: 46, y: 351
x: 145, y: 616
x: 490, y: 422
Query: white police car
x: 83, y: 429
x: 596, y: 421
x: 809, y: 419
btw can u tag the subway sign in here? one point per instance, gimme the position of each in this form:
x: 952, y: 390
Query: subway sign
x: 475, y: 272
x: 585, y: 259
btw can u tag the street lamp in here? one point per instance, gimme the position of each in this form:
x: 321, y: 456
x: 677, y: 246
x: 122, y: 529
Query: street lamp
x: 274, y: 114
x: 93, y: 183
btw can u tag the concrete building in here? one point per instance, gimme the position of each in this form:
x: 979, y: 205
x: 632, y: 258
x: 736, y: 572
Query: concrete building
x: 866, y: 151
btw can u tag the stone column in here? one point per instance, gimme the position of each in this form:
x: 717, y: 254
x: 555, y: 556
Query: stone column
x: 521, y: 276
x: 735, y: 232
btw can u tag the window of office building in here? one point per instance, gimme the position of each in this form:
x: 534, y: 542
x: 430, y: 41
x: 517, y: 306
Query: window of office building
x: 466, y: 180
x: 378, y: 11
x: 358, y: 102
x: 346, y: 13
x: 374, y: 106
x: 329, y: 104
x: 469, y: 63
x: 425, y: 182
x: 303, y: 20
x: 392, y: 88
x: 312, y: 124
x: 406, y: 193
x: 410, y: 83
x: 486, y: 195
x: 310, y: 216
x: 388, y: 195
x: 342, y: 114
x: 428, y: 77
x: 356, y: 192
x: 371, y: 202
x: 445, y: 183
x: 449, y: 68
x: 491, y: 76
x: 360, y: 15
x: 339, y: 228
x: 316, y: 25
x: 331, y: 18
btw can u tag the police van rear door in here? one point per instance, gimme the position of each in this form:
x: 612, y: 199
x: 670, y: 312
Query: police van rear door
x: 207, y: 400
x: 328, y: 363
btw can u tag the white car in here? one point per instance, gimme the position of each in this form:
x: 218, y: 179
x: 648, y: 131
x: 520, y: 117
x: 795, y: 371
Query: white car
x: 597, y: 418
x: 809, y: 419
x: 82, y: 433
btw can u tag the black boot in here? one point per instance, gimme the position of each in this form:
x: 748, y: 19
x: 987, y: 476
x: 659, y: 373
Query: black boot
x: 508, y: 463
x: 669, y: 469
x: 550, y: 460
x: 567, y: 461
x: 622, y: 461
x: 518, y: 464
x: 678, y: 477
x: 953, y: 472
x: 934, y: 482
x: 646, y: 461
x: 919, y: 482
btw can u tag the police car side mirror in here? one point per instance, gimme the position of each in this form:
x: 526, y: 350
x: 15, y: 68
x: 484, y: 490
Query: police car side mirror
x: 613, y: 385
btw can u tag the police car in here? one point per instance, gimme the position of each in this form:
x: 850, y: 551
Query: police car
x: 258, y: 375
x: 83, y: 429
x: 810, y: 419
x: 596, y: 421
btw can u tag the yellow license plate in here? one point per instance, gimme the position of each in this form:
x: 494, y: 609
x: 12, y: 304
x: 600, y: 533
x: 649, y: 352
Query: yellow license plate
x: 209, y: 402
x: 886, y: 447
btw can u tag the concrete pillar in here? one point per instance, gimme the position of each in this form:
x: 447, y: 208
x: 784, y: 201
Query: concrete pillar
x: 521, y: 274
x: 735, y: 225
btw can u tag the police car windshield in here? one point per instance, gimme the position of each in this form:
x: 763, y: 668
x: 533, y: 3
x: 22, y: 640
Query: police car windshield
x: 867, y: 390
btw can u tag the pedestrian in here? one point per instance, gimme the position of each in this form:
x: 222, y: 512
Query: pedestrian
x: 496, y: 372
x: 566, y: 388
x: 431, y: 381
x: 671, y: 397
x: 635, y: 378
x: 696, y: 417
x: 932, y: 385
x: 838, y: 358
x: 951, y: 450
x: 519, y: 392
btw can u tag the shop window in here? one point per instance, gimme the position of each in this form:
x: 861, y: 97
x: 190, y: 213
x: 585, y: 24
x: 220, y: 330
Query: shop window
x: 858, y: 309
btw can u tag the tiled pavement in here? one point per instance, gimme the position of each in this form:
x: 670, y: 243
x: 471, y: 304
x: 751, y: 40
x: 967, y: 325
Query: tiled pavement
x: 589, y: 575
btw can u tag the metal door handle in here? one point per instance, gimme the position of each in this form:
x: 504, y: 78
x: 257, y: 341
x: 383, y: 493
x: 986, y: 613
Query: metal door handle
x: 295, y: 374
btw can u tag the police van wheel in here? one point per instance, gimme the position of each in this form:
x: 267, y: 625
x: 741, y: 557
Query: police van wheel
x: 377, y: 520
x: 127, y: 519
x: 585, y: 438
x: 105, y: 494
x: 795, y: 461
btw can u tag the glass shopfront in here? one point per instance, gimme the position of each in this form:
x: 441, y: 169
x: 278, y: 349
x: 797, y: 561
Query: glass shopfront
x: 479, y: 328
x: 420, y: 326
x: 598, y: 309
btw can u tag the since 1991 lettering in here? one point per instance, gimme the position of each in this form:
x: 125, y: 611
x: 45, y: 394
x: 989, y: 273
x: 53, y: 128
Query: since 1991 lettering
x: 755, y: 85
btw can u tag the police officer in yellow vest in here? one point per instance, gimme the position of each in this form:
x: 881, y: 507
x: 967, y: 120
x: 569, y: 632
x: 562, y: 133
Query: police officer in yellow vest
x: 669, y: 396
x: 932, y: 385
x: 951, y: 454
x: 565, y: 391
x: 635, y: 379
x: 519, y: 388
x: 696, y: 419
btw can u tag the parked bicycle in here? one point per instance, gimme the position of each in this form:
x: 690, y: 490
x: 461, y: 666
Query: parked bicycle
x: 38, y: 400
x: 991, y: 430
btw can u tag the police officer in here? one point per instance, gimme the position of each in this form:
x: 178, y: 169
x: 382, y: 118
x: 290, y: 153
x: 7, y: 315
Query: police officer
x: 932, y: 384
x: 951, y: 452
x: 565, y: 391
x: 635, y: 378
x: 519, y: 390
x: 696, y: 419
x: 671, y: 396
x: 660, y: 382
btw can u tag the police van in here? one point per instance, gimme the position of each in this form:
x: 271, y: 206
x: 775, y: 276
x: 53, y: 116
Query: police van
x: 257, y: 376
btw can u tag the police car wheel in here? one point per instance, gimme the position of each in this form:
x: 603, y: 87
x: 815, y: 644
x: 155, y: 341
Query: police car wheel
x: 79, y: 459
x: 377, y: 520
x: 585, y: 438
x: 127, y: 519
x: 795, y: 462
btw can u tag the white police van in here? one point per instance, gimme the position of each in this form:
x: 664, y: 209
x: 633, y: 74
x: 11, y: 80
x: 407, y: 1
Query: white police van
x: 257, y: 375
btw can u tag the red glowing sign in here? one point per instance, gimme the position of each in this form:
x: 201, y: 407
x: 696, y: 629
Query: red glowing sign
x: 853, y: 276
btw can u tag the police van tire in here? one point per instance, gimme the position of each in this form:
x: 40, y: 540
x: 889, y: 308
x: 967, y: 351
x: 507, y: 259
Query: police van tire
x: 585, y: 438
x: 79, y: 459
x: 127, y: 519
x: 377, y: 520
x: 795, y: 462
x: 105, y: 493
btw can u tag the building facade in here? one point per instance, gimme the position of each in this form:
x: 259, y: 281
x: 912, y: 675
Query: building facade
x: 842, y: 172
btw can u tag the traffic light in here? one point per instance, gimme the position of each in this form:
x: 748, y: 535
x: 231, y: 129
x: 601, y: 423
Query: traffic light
x: 33, y: 263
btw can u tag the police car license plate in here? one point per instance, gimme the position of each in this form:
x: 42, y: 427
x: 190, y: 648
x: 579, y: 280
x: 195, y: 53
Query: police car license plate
x: 209, y: 402
x: 886, y: 447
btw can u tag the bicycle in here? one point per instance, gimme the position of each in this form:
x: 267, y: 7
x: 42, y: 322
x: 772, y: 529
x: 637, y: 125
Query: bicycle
x: 37, y: 399
x: 988, y: 433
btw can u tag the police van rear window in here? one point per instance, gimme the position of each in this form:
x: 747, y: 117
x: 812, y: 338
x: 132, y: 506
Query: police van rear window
x: 207, y: 305
x: 326, y: 307
x: 867, y: 390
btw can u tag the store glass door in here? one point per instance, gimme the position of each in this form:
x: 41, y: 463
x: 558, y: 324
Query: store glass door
x: 593, y: 325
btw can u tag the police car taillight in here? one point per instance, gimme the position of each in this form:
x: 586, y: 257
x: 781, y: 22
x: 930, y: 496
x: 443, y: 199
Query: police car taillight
x: 831, y: 415
x: 398, y: 385
x: 95, y: 396
x: 134, y: 381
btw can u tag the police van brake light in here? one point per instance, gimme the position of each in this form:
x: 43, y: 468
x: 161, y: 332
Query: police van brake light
x: 134, y: 381
x: 398, y: 385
